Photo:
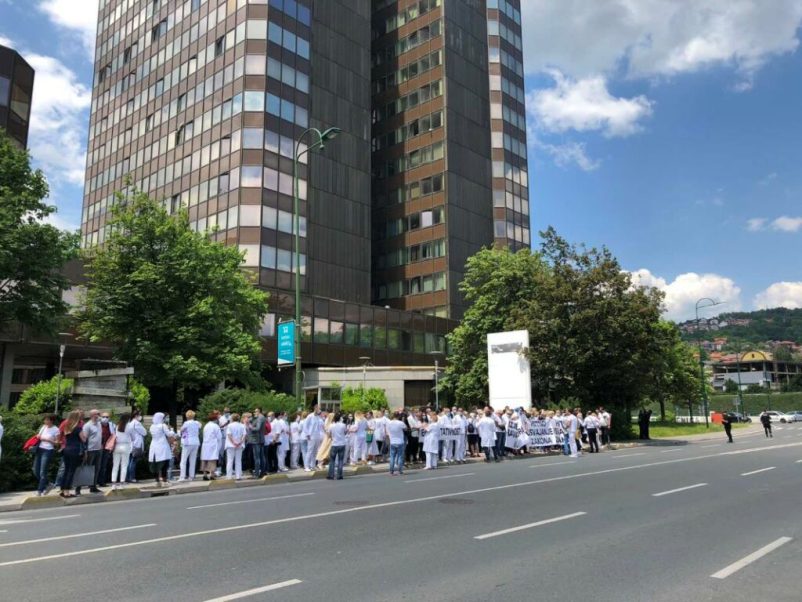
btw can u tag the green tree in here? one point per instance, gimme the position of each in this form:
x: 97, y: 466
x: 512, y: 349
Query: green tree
x: 41, y: 397
x: 140, y: 395
x: 496, y: 283
x: 357, y: 399
x: 175, y: 304
x: 32, y: 253
x: 730, y: 386
x: 674, y: 371
x: 246, y: 400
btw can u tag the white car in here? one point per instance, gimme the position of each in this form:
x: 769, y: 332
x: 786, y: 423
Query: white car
x: 779, y: 417
x: 794, y: 416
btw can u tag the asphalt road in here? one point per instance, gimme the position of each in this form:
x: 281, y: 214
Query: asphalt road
x: 704, y: 521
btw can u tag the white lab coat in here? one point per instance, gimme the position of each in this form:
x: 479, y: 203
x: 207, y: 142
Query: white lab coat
x: 487, y: 432
x: 431, y: 438
x: 159, y: 444
x: 212, y: 442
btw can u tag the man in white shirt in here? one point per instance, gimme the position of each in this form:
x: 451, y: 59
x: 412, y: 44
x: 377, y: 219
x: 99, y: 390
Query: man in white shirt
x: 487, y: 429
x: 337, y: 432
x: 604, y: 426
x: 295, y: 442
x: 310, y: 432
x: 378, y: 434
x: 571, y: 424
x: 394, y: 434
x: 138, y: 434
x: 461, y: 423
x: 282, y: 436
x: 446, y: 442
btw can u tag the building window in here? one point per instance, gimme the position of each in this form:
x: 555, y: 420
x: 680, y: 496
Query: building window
x: 159, y: 30
x: 220, y: 46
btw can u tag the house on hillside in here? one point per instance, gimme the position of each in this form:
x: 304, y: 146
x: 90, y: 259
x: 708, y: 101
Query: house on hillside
x: 756, y: 368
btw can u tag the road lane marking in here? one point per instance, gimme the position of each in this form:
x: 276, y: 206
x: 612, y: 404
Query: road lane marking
x: 36, y: 520
x: 798, y: 462
x: 530, y: 525
x: 670, y: 491
x: 668, y: 451
x: 59, y: 537
x: 746, y: 474
x: 629, y: 455
x: 708, y: 446
x: 552, y: 464
x: 429, y: 498
x: 258, y: 590
x: 261, y: 499
x: 747, y: 560
x: 450, y: 476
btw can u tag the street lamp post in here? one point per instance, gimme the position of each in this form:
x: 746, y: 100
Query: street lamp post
x: 319, y: 144
x: 711, y: 303
x: 740, y: 390
x: 436, y: 355
x: 61, y: 349
x: 365, y: 361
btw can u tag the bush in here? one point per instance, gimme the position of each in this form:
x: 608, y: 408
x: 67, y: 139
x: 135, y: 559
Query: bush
x: 16, y: 465
x: 41, y: 398
x: 140, y: 395
x: 240, y: 401
x: 363, y: 400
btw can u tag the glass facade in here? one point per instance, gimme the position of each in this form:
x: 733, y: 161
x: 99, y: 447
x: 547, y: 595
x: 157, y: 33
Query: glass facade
x: 16, y: 91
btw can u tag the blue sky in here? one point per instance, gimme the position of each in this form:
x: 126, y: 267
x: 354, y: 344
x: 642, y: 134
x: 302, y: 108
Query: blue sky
x: 668, y: 130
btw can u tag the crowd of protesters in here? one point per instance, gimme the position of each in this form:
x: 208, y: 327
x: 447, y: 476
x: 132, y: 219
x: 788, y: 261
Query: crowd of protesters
x: 98, y: 452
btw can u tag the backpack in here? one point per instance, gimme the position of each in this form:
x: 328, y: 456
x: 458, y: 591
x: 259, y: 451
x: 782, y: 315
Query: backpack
x: 471, y: 428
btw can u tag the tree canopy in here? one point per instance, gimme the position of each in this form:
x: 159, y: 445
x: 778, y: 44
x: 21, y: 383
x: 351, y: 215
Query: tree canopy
x: 32, y: 252
x: 175, y: 304
x: 594, y: 337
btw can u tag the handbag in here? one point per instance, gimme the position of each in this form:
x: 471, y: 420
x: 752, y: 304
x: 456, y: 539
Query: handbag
x: 368, y: 436
x: 31, y: 445
x: 111, y: 443
x: 84, y: 476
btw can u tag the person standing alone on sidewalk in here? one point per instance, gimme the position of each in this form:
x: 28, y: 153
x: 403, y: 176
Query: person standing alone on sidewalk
x: 726, y: 422
x: 765, y: 420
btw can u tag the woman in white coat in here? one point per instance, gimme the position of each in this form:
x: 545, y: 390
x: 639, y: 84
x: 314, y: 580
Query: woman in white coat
x: 190, y: 443
x: 211, y: 447
x: 235, y: 443
x: 159, y: 452
x: 359, y: 451
x: 431, y: 440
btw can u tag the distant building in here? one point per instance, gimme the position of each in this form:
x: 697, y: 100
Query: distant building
x: 756, y: 368
x: 16, y: 90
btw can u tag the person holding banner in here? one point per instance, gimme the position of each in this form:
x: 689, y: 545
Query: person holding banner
x: 487, y: 435
x: 359, y: 451
x: 431, y: 440
x: 446, y: 441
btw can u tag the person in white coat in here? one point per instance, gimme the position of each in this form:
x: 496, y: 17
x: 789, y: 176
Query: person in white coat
x: 359, y: 451
x: 212, y: 444
x: 431, y: 440
x: 487, y: 435
x: 460, y: 422
x: 190, y: 444
x: 447, y: 444
x: 121, y: 450
x: 295, y: 442
x: 283, y: 440
x: 160, y: 451
x: 310, y: 433
x: 138, y: 434
x: 235, y: 444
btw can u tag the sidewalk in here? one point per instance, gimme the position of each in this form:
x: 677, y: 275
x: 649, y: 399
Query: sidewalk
x: 28, y: 500
x: 717, y: 435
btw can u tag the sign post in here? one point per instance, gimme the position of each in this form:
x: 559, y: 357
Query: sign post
x: 286, y: 343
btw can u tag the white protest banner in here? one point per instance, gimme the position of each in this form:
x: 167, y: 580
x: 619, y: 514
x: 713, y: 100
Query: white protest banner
x: 516, y: 438
x: 451, y: 433
x: 542, y: 435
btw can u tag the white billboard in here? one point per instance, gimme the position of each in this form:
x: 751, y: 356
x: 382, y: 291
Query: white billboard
x: 508, y: 369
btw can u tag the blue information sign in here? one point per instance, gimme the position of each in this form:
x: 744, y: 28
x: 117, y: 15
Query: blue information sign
x: 286, y: 343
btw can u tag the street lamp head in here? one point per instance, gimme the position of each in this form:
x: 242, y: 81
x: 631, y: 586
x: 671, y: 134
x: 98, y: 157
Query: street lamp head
x: 330, y: 134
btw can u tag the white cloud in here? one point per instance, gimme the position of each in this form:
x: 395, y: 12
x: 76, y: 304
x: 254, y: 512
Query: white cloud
x: 57, y: 135
x: 756, y: 224
x: 569, y: 153
x: 647, y: 38
x: 780, y: 294
x: 787, y: 224
x: 79, y: 16
x: 682, y: 293
x: 586, y: 105
x: 780, y: 224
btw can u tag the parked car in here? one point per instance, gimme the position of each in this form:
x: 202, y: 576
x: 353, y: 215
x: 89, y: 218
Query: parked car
x: 738, y: 417
x: 793, y: 416
x: 777, y: 416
